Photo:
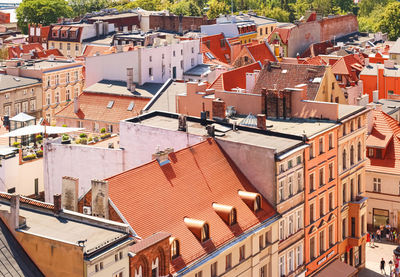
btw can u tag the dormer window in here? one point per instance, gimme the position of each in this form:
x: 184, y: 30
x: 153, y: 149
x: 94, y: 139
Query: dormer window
x: 227, y: 213
x: 199, y: 228
x: 252, y: 199
x: 232, y: 217
x: 175, y: 249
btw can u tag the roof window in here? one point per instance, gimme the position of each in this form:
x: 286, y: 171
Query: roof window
x: 252, y: 199
x: 227, y: 213
x: 131, y: 106
x: 110, y: 104
x: 210, y: 56
x: 199, y: 228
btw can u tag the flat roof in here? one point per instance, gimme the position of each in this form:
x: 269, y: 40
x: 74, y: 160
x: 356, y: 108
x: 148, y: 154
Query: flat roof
x: 147, y: 90
x: 348, y: 110
x: 243, y: 135
x: 299, y: 126
x: 10, y: 82
x: 198, y: 70
x: 165, y: 100
x: 67, y: 230
x: 47, y: 64
x: 112, y: 16
x: 389, y: 106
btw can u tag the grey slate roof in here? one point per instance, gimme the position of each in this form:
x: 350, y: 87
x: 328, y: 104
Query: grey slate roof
x: 13, y: 259
x: 9, y: 82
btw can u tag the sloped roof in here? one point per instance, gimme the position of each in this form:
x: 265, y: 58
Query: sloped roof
x: 313, y: 61
x: 13, y: 259
x: 93, y: 106
x: 235, y: 78
x: 283, y: 33
x: 187, y: 186
x: 350, y: 65
x: 15, y: 52
x: 212, y: 44
x: 261, y: 52
x: 316, y: 49
x: 385, y: 134
x: 290, y: 75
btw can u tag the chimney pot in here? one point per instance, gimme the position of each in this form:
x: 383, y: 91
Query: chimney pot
x: 182, y: 123
x: 57, y: 204
x: 261, y: 122
x: 14, y: 210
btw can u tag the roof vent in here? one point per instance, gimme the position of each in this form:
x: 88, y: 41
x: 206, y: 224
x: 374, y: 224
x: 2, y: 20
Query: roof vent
x: 17, y: 79
x: 162, y: 156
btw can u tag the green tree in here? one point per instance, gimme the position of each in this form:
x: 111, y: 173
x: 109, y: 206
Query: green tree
x: 367, y: 6
x: 150, y: 5
x: 390, y: 21
x: 216, y: 8
x: 186, y: 7
x: 43, y: 12
x: 300, y: 7
x: 81, y: 7
x: 344, y: 5
x: 370, y: 23
x: 323, y: 7
x: 276, y: 13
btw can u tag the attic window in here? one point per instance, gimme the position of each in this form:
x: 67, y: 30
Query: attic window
x: 252, y: 199
x: 227, y: 213
x: 131, y: 105
x: 110, y: 104
x: 175, y: 248
x: 199, y: 228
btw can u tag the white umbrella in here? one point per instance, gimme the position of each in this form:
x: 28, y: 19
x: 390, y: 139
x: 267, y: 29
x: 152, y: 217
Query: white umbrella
x: 37, y: 129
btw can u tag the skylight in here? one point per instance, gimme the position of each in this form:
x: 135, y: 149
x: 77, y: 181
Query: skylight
x: 317, y: 80
x: 210, y: 56
x: 284, y: 71
x: 131, y: 105
x: 110, y: 104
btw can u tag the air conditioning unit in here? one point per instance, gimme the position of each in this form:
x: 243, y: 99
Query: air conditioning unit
x: 87, y: 210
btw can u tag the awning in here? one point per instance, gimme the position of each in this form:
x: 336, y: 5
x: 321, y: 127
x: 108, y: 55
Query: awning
x: 22, y: 117
x: 337, y: 268
x: 38, y: 129
x: 4, y: 151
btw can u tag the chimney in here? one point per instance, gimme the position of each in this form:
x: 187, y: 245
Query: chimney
x: 14, y: 211
x: 100, y: 198
x: 69, y: 195
x: 210, y: 130
x: 162, y: 156
x: 375, y: 96
x: 261, y: 122
x: 57, y: 204
x: 76, y: 104
x: 218, y: 108
x: 366, y: 61
x: 378, y: 107
x: 263, y: 101
x: 129, y: 79
x: 182, y: 123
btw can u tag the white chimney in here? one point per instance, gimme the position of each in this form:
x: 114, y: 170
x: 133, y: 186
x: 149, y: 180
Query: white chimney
x: 375, y: 96
x: 14, y: 211
x: 76, y: 104
x: 251, y: 79
x: 129, y: 80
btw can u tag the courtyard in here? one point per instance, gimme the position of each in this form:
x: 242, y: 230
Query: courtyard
x: 374, y: 256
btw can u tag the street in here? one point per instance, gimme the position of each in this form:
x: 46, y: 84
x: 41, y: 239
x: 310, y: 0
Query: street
x: 374, y: 256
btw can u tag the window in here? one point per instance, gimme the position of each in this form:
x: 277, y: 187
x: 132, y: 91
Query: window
x: 321, y: 207
x: 351, y: 155
x: 363, y: 225
x: 261, y: 31
x: 311, y: 150
x: 68, y: 95
x: 312, y: 182
x: 352, y: 190
x: 344, y: 225
x: 370, y: 152
x: 299, y: 181
x: 344, y: 159
x: 330, y: 231
x: 25, y: 106
x: 175, y: 251
x: 96, y: 268
x: 232, y: 217
x: 110, y: 128
x: 359, y: 184
x: 267, y: 238
x: 282, y: 230
x: 330, y: 172
x: 7, y: 110
x: 199, y: 274
x: 150, y: 59
x: 76, y: 75
x: 17, y: 108
x: 192, y: 62
x: 290, y: 164
x: 257, y: 203
x: 281, y: 168
x: 359, y: 122
x: 344, y: 129
x: 181, y: 64
x: 281, y: 192
x: 359, y: 153
x: 76, y: 92
x: 57, y: 79
x: 205, y: 232
x: 299, y: 220
x: 181, y: 52
x: 162, y: 56
x: 150, y: 72
x: 321, y: 145
x: 351, y: 126
x: 290, y: 261
x: 291, y: 225
x: 101, y: 265
x: 282, y: 266
x: 311, y: 213
x: 11, y: 190
x: 68, y: 46
x: 61, y: 46
x: 377, y: 184
x: 228, y: 261
x: 173, y: 53
x: 242, y: 253
x: 299, y: 255
x: 321, y: 242
x: 116, y: 257
x: 264, y: 271
x: 214, y: 269
x: 378, y: 153
x: 298, y: 160
x: 68, y: 77
x: 57, y: 97
x: 331, y: 201
x: 290, y: 186
x: 154, y: 268
x: 344, y: 198
x: 353, y: 227
x: 261, y: 241
x: 32, y: 105
x: 312, y: 248
x: 76, y: 47
x: 321, y: 177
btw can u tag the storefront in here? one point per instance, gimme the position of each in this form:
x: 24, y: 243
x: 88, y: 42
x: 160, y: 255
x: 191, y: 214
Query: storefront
x: 380, y: 218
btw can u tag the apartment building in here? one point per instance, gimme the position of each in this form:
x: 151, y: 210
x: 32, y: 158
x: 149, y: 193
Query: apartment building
x: 19, y: 94
x: 61, y: 81
x: 351, y: 187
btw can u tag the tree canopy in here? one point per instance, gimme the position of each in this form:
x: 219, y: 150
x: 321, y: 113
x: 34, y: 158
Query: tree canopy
x: 390, y: 22
x: 41, y: 12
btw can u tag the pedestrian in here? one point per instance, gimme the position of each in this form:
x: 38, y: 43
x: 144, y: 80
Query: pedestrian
x: 383, y: 267
x: 369, y: 239
x: 378, y: 234
x: 373, y: 239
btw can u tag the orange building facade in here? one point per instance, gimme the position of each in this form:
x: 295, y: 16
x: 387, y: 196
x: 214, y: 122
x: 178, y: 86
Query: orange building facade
x: 321, y: 205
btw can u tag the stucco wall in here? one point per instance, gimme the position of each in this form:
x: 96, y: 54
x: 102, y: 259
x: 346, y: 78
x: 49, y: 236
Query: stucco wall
x: 83, y: 162
x: 303, y: 36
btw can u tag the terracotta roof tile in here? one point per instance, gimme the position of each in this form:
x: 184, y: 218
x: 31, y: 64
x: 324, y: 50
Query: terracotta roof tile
x: 283, y: 33
x: 29, y: 201
x: 235, y: 78
x: 290, y: 75
x: 213, y: 44
x: 156, y: 198
x: 93, y: 106
x: 261, y: 52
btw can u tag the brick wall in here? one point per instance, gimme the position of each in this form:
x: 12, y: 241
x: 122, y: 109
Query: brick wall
x: 278, y: 103
x: 171, y: 22
x: 338, y: 26
x: 4, y: 18
x: 121, y: 22
x: 144, y: 258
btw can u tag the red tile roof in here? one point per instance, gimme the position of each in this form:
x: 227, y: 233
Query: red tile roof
x: 212, y: 44
x: 29, y: 201
x: 316, y: 49
x: 235, y: 78
x: 313, y: 61
x: 290, y: 75
x: 155, y: 198
x: 15, y: 52
x: 385, y: 134
x: 346, y: 64
x: 47, y: 53
x: 283, y: 33
x: 261, y: 52
x: 91, y: 50
x: 93, y: 106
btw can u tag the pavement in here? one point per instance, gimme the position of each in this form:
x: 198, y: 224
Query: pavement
x: 374, y: 256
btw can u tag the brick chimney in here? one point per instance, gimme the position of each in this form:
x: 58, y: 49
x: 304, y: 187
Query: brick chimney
x: 129, y: 80
x: 76, y: 104
x: 218, y: 108
x: 57, y: 204
x: 263, y: 100
x: 162, y: 156
x: 14, y: 211
x: 261, y: 122
x: 100, y: 198
x: 69, y: 195
x: 182, y: 123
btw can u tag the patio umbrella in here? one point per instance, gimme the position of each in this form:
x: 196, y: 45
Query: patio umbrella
x: 37, y: 129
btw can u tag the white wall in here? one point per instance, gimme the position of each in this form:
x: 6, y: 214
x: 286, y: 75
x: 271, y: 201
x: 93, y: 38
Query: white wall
x: 22, y: 177
x: 79, y: 161
x: 229, y: 30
